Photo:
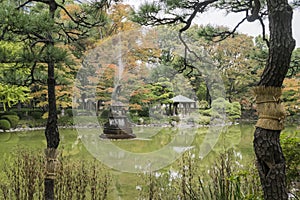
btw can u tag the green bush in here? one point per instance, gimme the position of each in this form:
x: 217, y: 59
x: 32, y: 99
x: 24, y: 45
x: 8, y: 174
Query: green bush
x: 204, y: 120
x: 135, y: 119
x: 144, y: 112
x: 22, y: 113
x: 70, y: 112
x: 291, y: 148
x: 34, y: 123
x: 36, y: 114
x: 203, y: 104
x: 205, y: 112
x: 8, y: 113
x: 220, y: 107
x: 4, y: 124
x: 65, y: 121
x: 13, y: 120
x: 104, y: 114
x: 174, y: 119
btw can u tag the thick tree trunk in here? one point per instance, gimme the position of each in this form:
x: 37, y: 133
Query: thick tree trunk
x: 52, y: 136
x: 51, y: 132
x: 270, y: 163
x: 270, y: 159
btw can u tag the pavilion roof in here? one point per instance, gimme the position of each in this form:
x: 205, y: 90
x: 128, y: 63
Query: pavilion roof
x: 182, y: 99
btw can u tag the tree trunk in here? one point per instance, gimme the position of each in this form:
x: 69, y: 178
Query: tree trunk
x: 51, y: 132
x: 270, y: 159
x: 52, y: 135
x: 208, y: 96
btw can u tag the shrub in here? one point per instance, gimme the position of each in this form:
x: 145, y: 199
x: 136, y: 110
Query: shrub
x: 8, y: 113
x: 204, y: 120
x: 22, y: 113
x: 205, y: 112
x: 235, y: 111
x: 220, y: 107
x: 203, y: 104
x: 37, y: 123
x: 291, y: 148
x: 174, y: 118
x: 144, y: 112
x: 104, y: 114
x: 4, y: 124
x: 70, y: 112
x: 65, y: 121
x: 13, y: 120
x: 36, y: 114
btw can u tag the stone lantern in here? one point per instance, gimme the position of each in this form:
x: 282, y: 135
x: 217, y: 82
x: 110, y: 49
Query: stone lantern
x: 118, y: 126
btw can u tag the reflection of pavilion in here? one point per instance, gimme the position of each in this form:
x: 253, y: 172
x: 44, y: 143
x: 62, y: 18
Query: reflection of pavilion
x: 118, y: 125
x: 182, y: 105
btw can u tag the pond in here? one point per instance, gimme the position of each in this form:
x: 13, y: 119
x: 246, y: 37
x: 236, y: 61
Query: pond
x: 157, y: 146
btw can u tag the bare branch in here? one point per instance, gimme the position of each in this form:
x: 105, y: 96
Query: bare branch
x: 199, y: 7
x: 227, y: 34
x: 29, y: 1
x: 264, y: 31
x: 23, y: 4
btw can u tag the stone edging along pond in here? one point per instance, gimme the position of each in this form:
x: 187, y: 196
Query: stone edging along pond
x: 24, y: 129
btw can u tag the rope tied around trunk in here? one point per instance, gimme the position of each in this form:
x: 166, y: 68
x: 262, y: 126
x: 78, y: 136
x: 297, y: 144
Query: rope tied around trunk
x: 51, y: 163
x: 271, y: 113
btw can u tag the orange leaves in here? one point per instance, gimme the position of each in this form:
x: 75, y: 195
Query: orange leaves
x: 291, y: 84
x: 141, y: 90
x: 63, y: 95
x: 291, y: 94
x: 119, y: 15
x: 72, y: 9
x: 135, y: 106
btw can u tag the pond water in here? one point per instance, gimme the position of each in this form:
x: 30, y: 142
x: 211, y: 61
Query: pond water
x: 155, y: 145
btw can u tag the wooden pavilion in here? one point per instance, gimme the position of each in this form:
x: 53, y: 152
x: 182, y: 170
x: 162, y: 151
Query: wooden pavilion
x: 182, y: 105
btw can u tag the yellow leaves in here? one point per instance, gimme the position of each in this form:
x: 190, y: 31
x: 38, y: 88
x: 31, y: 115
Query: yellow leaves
x: 110, y: 90
x: 291, y: 94
x: 139, y: 91
x: 119, y: 15
x: 11, y: 94
x: 135, y: 106
x: 72, y: 9
x: 291, y: 84
x: 63, y: 95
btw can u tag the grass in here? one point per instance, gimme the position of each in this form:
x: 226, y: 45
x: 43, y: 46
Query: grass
x: 224, y: 180
x: 23, y: 176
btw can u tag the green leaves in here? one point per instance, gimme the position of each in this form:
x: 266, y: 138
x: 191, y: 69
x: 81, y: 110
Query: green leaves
x: 11, y: 95
x: 147, y: 10
x: 10, y: 51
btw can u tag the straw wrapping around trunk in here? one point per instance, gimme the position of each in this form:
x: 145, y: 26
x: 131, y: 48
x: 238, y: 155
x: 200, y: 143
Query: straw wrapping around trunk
x: 271, y: 113
x: 51, y: 162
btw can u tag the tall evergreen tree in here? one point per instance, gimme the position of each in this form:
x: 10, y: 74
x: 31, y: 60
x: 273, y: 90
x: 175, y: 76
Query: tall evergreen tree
x: 42, y: 26
x: 270, y: 159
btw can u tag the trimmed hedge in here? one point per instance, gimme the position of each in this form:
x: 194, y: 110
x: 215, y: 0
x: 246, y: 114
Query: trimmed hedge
x: 24, y: 113
x: 69, y: 112
x: 13, y: 120
x: 8, y: 113
x: 36, y: 114
x: 4, y: 124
